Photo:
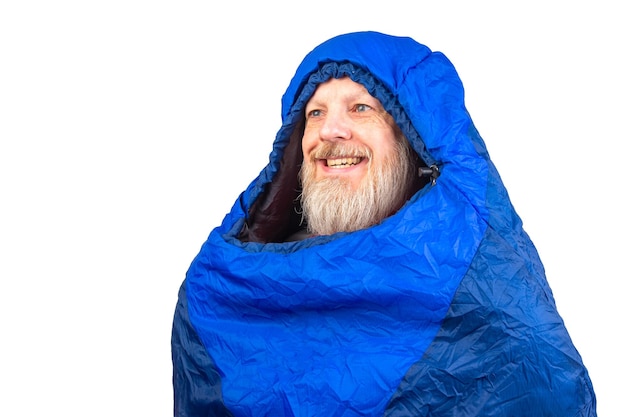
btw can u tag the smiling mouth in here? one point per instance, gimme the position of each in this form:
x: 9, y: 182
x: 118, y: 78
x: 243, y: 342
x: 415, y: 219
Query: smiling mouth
x: 338, y: 163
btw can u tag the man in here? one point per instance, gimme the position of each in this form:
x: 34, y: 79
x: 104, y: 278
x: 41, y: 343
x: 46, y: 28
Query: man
x: 376, y: 266
x: 358, y: 168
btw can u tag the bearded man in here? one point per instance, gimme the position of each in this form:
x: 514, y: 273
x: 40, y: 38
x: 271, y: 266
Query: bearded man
x: 358, y: 168
x: 345, y: 282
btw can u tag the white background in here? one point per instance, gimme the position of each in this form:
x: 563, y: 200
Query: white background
x: 128, y: 128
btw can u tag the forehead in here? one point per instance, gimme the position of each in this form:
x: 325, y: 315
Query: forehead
x: 340, y: 88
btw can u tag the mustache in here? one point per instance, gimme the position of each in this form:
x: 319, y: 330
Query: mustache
x: 340, y: 150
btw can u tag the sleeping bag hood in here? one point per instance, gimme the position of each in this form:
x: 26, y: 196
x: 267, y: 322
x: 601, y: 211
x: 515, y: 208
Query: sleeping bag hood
x: 442, y: 309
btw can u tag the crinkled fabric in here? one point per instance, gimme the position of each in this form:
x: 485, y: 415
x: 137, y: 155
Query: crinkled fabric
x: 443, y: 309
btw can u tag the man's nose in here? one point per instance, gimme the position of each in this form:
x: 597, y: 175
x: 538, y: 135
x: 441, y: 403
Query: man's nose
x: 336, y: 127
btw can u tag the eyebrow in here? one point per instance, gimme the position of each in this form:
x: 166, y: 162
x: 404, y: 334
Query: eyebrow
x: 356, y: 96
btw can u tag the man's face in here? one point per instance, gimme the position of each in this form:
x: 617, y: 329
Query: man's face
x: 357, y: 167
x: 345, y: 128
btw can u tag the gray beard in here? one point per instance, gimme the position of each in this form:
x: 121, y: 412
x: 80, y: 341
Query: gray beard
x: 330, y: 205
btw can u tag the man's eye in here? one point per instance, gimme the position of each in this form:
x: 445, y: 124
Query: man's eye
x: 362, y: 107
x: 314, y: 113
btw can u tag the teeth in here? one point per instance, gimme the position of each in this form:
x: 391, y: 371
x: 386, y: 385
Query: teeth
x: 343, y: 162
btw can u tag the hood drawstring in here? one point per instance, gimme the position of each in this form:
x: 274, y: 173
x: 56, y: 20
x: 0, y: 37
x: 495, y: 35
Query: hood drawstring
x: 432, y: 171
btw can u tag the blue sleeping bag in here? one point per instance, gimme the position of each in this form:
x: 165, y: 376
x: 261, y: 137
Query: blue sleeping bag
x: 443, y: 309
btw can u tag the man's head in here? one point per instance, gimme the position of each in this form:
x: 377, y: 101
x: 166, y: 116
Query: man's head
x: 358, y: 168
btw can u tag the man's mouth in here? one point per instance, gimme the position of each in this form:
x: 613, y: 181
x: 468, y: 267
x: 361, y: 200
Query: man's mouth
x: 338, y: 163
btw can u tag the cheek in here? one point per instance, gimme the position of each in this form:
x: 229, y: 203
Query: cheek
x: 308, y: 143
x: 385, y: 152
x: 385, y: 147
